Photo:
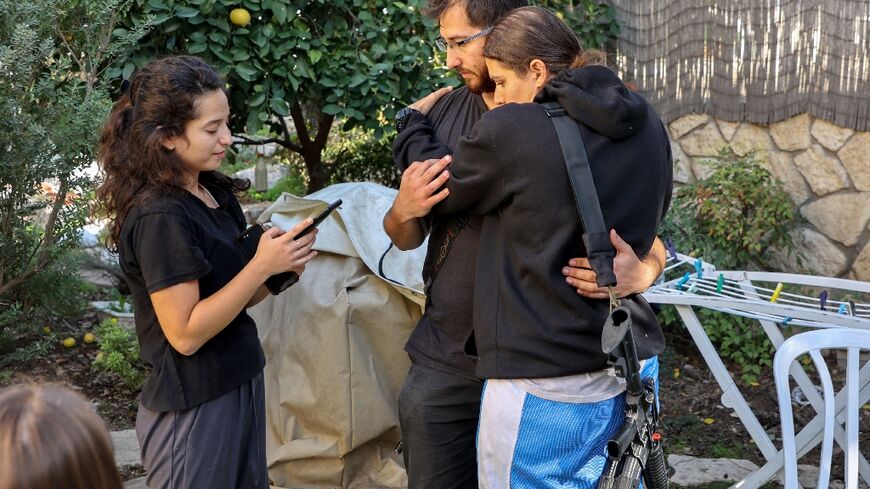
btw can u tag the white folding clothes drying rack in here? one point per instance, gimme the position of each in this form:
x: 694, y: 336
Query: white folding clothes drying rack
x: 740, y: 293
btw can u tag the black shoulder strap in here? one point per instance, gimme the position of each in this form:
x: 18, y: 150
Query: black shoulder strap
x: 595, y: 235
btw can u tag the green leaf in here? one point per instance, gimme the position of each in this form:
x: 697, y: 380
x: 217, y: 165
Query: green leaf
x: 279, y: 11
x: 314, y: 55
x: 129, y: 67
x: 257, y: 100
x: 196, y: 48
x: 279, y: 106
x: 253, y: 124
x: 158, y: 5
x: 197, y: 36
x: 218, y: 37
x: 186, y: 12
x: 331, y: 109
x: 246, y: 72
x: 240, y: 55
x: 356, y: 80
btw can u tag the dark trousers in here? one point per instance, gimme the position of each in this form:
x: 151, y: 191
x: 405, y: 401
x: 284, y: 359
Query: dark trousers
x: 219, y: 444
x: 439, y: 412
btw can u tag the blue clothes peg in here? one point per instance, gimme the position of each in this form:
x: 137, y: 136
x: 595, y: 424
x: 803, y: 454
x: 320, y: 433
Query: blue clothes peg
x: 699, y: 268
x: 786, y: 320
x: 823, y: 299
x: 682, y: 282
x: 842, y: 309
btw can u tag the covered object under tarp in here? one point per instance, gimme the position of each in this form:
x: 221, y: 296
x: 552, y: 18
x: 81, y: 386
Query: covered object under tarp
x: 334, y: 346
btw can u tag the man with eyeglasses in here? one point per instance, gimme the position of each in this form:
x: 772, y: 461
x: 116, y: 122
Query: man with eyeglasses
x: 439, y: 404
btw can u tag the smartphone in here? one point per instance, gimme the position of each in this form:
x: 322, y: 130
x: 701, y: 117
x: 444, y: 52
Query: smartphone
x: 250, y: 239
x: 319, y: 218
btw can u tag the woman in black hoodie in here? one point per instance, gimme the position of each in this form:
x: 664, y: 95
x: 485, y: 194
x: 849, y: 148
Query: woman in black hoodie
x: 550, y: 403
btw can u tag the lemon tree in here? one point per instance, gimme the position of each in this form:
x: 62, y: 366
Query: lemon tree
x: 300, y: 65
x: 296, y: 66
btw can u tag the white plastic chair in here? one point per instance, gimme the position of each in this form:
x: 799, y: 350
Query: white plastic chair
x: 853, y: 340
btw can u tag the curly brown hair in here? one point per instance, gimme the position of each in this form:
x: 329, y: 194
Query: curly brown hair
x: 160, y: 100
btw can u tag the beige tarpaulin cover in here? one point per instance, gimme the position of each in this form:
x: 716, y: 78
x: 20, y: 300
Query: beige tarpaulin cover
x: 333, y: 343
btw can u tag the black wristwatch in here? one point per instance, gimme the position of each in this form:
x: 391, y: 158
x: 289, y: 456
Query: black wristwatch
x: 402, y: 117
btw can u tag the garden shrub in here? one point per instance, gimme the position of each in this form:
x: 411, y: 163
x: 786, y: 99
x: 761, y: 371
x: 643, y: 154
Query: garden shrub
x: 363, y: 156
x: 119, y: 353
x: 732, y: 219
x: 48, y: 297
x: 735, y: 217
x: 54, y: 102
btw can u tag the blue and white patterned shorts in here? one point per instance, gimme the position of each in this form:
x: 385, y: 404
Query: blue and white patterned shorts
x: 527, y: 442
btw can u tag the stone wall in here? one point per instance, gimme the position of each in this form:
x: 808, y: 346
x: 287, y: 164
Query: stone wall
x: 825, y: 170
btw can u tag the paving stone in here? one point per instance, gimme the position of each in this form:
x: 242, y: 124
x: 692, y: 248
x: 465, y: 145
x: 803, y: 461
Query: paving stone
x: 692, y: 471
x: 126, y: 447
x: 136, y: 484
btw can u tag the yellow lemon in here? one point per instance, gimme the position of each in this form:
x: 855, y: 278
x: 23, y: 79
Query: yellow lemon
x: 89, y: 338
x: 46, y: 329
x: 99, y: 357
x: 240, y: 17
x: 709, y: 421
x: 69, y: 342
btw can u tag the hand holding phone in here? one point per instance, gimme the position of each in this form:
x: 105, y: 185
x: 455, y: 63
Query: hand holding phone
x: 249, y: 240
x: 319, y: 218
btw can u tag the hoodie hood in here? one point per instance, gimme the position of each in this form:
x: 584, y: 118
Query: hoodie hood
x: 597, y: 98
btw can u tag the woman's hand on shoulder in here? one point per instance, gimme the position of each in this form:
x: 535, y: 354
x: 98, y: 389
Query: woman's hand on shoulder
x: 425, y: 104
x: 280, y: 252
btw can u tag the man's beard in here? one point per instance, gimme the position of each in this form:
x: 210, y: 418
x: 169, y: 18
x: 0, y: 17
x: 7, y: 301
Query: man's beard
x: 480, y: 84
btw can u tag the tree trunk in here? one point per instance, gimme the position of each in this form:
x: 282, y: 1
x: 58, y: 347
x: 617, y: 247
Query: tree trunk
x: 312, y: 148
x: 317, y: 175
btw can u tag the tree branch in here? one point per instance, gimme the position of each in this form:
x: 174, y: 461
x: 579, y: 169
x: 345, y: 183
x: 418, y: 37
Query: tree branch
x: 18, y: 280
x: 246, y: 141
x: 72, y: 55
x: 48, y: 239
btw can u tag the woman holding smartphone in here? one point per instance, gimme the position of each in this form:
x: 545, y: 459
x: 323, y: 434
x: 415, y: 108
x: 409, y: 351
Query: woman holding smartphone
x: 175, y: 220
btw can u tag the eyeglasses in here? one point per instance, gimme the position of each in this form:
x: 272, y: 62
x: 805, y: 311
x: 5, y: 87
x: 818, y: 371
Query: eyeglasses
x: 443, y: 44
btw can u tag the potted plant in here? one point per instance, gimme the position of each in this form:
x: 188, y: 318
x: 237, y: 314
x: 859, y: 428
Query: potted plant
x: 119, y: 307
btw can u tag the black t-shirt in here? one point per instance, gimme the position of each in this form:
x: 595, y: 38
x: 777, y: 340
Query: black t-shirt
x: 440, y: 337
x: 173, y: 239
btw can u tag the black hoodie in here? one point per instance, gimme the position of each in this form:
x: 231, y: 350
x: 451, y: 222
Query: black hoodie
x: 528, y: 321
